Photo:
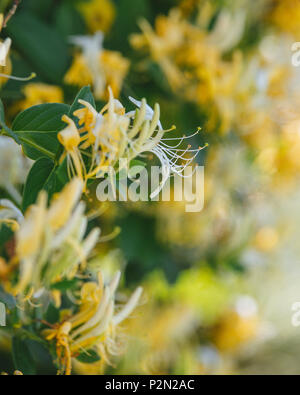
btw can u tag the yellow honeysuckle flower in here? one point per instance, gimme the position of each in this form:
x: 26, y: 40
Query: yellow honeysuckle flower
x: 114, y: 134
x: 115, y: 68
x: 4, y: 50
x: 94, y: 326
x: 70, y: 139
x: 62, y: 205
x: 98, y: 14
x: 5, y: 63
x: 96, y: 66
x: 38, y: 93
x: 79, y: 73
x: 29, y: 236
x: 50, y: 242
x: 285, y: 14
x: 191, y: 58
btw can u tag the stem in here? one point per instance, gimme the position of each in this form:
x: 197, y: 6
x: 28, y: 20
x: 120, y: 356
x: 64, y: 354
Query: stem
x: 49, y: 154
x: 11, y: 12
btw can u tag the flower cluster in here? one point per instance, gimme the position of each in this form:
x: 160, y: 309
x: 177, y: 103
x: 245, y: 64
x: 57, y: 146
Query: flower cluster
x: 50, y: 242
x: 94, y: 326
x: 113, y: 134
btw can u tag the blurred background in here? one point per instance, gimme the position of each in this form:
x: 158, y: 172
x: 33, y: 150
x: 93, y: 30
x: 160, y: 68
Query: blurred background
x: 220, y: 284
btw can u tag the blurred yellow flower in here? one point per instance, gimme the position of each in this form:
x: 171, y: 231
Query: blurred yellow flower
x: 234, y: 331
x: 79, y: 73
x: 5, y: 62
x: 4, y: 50
x: 266, y: 239
x: 285, y: 14
x: 115, y: 68
x: 96, y: 66
x: 38, y: 93
x: 98, y: 14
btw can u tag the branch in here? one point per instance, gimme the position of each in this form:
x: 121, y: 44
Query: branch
x: 11, y: 12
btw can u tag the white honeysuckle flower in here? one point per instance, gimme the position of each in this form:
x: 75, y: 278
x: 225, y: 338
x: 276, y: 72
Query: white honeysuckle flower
x: 14, y: 167
x: 4, y: 50
x: 129, y: 307
x: 51, y: 241
x: 114, y: 135
x: 168, y: 155
x: 92, y: 47
x: 149, y: 111
x: 104, y: 315
x: 10, y: 214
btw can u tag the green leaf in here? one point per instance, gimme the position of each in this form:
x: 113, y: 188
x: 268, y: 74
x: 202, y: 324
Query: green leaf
x: 26, y: 334
x: 37, y: 129
x: 38, y: 179
x: 89, y: 356
x: 41, y: 45
x: 22, y: 357
x: 7, y: 299
x: 8, y: 131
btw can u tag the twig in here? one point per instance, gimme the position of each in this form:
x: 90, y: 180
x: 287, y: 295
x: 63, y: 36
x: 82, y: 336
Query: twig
x: 11, y: 12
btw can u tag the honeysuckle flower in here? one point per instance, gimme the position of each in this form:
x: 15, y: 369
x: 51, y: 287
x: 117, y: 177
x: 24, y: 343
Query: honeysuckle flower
x: 228, y: 30
x: 191, y: 57
x: 70, y: 140
x: 97, y: 66
x: 79, y: 74
x: 169, y: 156
x: 50, y: 242
x: 94, y: 325
x: 10, y: 214
x: 14, y: 167
x: 114, y: 134
x: 5, y: 63
x: 38, y: 93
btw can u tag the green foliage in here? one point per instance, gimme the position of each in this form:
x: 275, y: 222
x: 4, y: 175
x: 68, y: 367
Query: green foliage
x: 40, y: 177
x: 22, y: 356
x: 89, y: 356
x: 41, y: 45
